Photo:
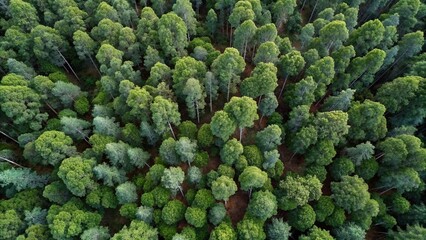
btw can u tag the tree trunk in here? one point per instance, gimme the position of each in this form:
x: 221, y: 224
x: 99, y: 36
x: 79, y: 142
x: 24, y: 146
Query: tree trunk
x: 211, y: 102
x: 171, y: 130
x: 94, y: 64
x: 313, y: 11
x: 11, y: 162
x: 260, y: 121
x: 72, y: 70
x: 241, y: 134
x: 282, y: 88
x: 11, y: 138
x: 198, y: 113
x: 260, y: 99
x: 303, y: 5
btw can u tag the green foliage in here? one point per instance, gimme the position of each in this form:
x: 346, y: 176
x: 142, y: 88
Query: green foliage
x: 223, y: 187
x: 197, y: 217
x: 137, y: 228
x: 252, y: 177
x: 173, y: 212
x: 126, y: 193
x: 262, y: 205
x: 77, y: 175
x: 302, y: 218
x: 351, y: 193
x: 250, y: 229
x: 223, y: 232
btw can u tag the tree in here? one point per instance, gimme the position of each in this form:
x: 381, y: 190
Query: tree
x: 351, y: 193
x: 211, y: 86
x: 302, y: 218
x: 231, y: 151
x: 70, y: 220
x: 194, y: 175
x: 217, y: 213
x: 252, y: 177
x: 183, y: 8
x: 126, y: 193
x: 188, y: 129
x: 173, y: 212
x: 137, y: 228
x: 222, y: 125
x: 267, y: 53
x: 227, y: 67
x: 77, y: 175
x: 22, y: 178
x: 211, y: 22
x: 322, y: 72
x: 243, y: 36
x: 186, y: 149
x: 289, y: 65
x: 139, y: 100
x: 22, y: 105
x: 267, y: 105
x: 397, y: 94
x: 367, y: 36
x: 262, y: 205
x: 75, y: 127
x: 298, y: 191
x: 250, y: 229
x: 342, y: 101
x: 223, y: 187
x: 317, y: 233
x: 11, y: 224
x: 197, y: 217
x: 159, y: 72
x: 185, y: 69
x: 51, y: 147
x: 96, y: 233
x: 49, y: 46
x: 350, y: 231
x: 172, y: 35
x: 282, y: 10
x: 109, y: 175
x: 363, y: 68
x: 269, y: 138
x: 403, y: 180
x: 301, y: 93
x: 332, y: 126
x: 278, y: 229
x: 223, y: 232
x: 164, y: 113
x: 407, y: 11
x: 172, y: 179
x: 168, y: 152
x: 342, y: 167
x: 243, y: 111
x: 334, y: 33
x: 195, y: 95
x: 360, y: 152
x: 263, y: 80
x: 205, y: 135
x: 367, y: 121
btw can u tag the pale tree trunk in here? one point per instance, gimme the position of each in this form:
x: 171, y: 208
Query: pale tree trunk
x: 241, y: 134
x: 11, y: 162
x: 198, y: 113
x: 171, y: 130
x: 282, y: 88
x: 11, y: 138
x: 75, y: 74
x: 94, y: 64
x: 313, y: 11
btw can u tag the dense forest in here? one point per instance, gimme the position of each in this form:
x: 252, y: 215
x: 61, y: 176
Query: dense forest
x: 212, y: 120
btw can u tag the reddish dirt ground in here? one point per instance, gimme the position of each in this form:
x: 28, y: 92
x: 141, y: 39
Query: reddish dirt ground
x: 236, y: 206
